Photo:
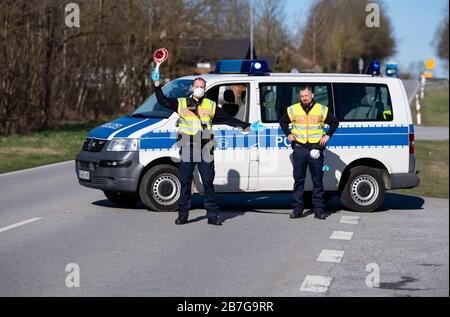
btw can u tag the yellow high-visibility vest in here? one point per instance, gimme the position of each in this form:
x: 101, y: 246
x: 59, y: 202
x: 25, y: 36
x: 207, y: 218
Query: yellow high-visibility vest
x: 307, y: 128
x: 189, y: 123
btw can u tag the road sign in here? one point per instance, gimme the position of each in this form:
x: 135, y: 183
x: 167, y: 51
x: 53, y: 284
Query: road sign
x: 430, y: 64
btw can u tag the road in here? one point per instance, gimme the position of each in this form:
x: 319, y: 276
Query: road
x: 423, y: 132
x: 431, y: 133
x: 412, y: 87
x: 48, y: 221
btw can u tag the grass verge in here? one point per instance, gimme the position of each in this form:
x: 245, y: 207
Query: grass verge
x: 434, y: 108
x: 28, y: 150
x: 432, y: 158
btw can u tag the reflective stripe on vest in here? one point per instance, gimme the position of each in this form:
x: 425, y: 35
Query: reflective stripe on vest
x: 189, y: 123
x: 307, y: 128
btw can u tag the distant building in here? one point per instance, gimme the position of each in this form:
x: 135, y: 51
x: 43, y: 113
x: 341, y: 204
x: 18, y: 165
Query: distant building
x: 303, y: 64
x: 204, y: 53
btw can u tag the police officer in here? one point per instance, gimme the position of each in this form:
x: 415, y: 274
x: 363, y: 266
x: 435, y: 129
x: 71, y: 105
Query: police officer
x: 308, y: 140
x: 197, y: 115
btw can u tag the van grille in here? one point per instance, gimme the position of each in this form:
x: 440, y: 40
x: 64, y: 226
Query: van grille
x: 84, y: 165
x: 98, y: 180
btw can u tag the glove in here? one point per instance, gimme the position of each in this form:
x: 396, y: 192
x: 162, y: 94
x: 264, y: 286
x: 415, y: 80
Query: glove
x: 257, y: 126
x: 155, y: 75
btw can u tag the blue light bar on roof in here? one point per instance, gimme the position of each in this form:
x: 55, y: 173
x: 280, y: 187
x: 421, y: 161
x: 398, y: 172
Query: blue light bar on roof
x: 374, y: 68
x: 250, y: 67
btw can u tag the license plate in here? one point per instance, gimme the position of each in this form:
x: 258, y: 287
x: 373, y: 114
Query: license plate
x: 84, y: 175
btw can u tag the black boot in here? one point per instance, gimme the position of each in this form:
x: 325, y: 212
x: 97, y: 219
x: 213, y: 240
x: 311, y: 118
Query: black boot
x: 216, y: 221
x: 296, y: 214
x: 320, y: 215
x: 181, y: 220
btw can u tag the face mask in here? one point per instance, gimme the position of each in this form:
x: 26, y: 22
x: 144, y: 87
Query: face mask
x: 199, y: 92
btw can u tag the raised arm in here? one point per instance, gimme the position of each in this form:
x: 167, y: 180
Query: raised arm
x: 221, y: 117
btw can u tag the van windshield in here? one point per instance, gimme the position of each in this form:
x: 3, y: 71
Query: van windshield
x: 151, y: 107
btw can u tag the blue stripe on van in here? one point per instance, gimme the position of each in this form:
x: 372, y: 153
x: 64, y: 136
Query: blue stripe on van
x: 371, y: 130
x: 127, y: 132
x: 369, y: 140
x: 159, y: 140
x: 105, y: 130
x: 344, y: 136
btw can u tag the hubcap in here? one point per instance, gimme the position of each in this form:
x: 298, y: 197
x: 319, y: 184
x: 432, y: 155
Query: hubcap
x: 364, y: 190
x: 166, y: 189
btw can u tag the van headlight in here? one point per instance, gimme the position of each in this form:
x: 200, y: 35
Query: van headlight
x: 124, y: 145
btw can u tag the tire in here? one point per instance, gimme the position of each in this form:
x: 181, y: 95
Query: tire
x: 122, y: 199
x: 160, y: 188
x: 364, y: 190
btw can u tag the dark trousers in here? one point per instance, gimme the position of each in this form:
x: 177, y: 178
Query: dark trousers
x: 301, y: 160
x: 186, y: 174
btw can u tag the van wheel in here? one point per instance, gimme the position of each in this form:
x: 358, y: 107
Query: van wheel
x: 122, y: 199
x: 364, y: 190
x: 160, y: 188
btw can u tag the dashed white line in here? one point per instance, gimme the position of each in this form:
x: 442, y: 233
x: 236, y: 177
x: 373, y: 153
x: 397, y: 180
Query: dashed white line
x: 333, y: 256
x: 341, y: 235
x: 316, y: 284
x: 353, y: 220
x: 19, y: 224
x: 320, y: 284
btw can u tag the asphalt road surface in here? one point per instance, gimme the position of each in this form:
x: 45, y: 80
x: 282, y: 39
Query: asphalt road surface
x: 430, y: 133
x: 50, y: 227
x: 412, y: 86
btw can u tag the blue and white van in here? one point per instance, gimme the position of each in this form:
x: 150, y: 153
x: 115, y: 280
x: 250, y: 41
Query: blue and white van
x: 134, y: 158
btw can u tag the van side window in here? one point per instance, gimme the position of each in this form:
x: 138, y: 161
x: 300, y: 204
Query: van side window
x: 275, y: 98
x: 362, y: 102
x: 232, y: 98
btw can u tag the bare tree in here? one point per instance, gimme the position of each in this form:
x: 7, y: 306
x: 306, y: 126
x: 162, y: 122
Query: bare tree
x: 442, y: 39
x: 50, y: 73
x: 336, y: 35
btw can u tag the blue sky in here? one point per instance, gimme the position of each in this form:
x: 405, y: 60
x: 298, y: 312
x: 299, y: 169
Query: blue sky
x: 414, y: 23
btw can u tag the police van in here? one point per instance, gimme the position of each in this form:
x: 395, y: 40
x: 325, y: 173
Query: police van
x: 135, y: 158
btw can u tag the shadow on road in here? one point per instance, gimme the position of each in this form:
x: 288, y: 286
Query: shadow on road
x: 234, y: 205
x: 109, y: 204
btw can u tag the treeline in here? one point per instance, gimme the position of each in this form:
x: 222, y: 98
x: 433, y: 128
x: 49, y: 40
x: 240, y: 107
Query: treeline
x: 337, y: 36
x: 441, y: 38
x: 50, y: 73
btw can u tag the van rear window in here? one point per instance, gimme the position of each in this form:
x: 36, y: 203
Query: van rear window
x: 362, y: 102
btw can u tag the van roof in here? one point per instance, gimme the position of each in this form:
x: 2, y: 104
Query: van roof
x: 286, y: 75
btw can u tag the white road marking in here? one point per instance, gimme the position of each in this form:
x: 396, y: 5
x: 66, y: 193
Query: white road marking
x: 315, y: 283
x: 333, y: 256
x: 37, y: 168
x: 19, y: 224
x: 353, y: 220
x: 341, y: 235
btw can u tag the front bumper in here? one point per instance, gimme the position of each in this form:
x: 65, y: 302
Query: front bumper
x: 404, y: 180
x: 117, y: 179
